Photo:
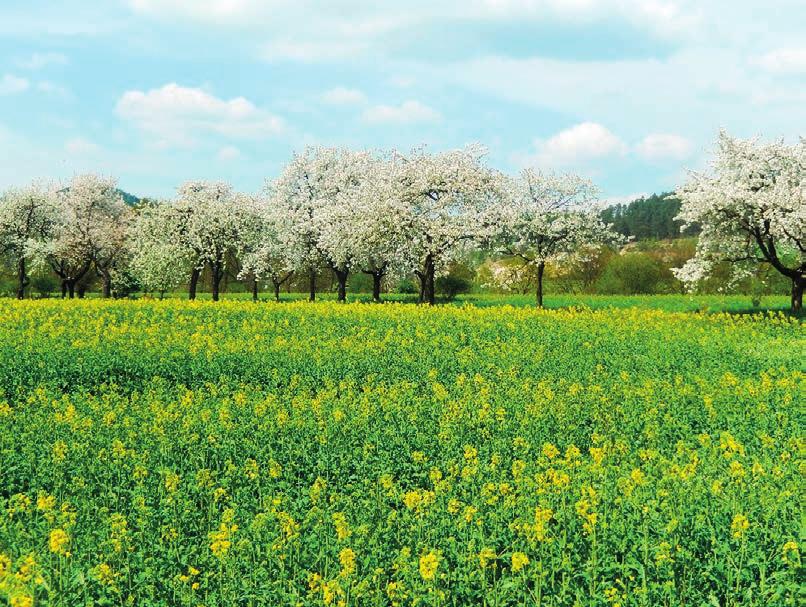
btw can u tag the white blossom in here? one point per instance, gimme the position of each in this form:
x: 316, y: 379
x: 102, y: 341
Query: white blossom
x: 27, y: 220
x: 159, y: 261
x: 90, y: 230
x: 750, y: 208
x: 208, y: 220
x: 442, y: 202
x: 548, y: 217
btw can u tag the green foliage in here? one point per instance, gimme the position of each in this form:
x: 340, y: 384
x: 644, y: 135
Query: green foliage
x: 44, y: 284
x: 407, y: 286
x: 459, y: 279
x: 131, y: 199
x: 647, y: 218
x: 631, y: 273
x: 178, y: 453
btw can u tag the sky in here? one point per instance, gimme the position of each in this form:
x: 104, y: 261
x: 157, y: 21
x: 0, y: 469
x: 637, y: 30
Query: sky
x: 630, y: 93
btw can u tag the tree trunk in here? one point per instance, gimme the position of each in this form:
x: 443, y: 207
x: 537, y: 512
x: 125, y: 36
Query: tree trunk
x: 427, y: 292
x: 71, y: 288
x: 218, y: 274
x: 23, y: 278
x: 797, y: 294
x: 431, y: 293
x: 82, y: 290
x: 254, y: 289
x: 64, y: 288
x: 194, y: 282
x: 107, y: 286
x: 341, y: 277
x: 377, y: 277
x: 312, y: 278
x: 276, y: 290
x: 540, y: 267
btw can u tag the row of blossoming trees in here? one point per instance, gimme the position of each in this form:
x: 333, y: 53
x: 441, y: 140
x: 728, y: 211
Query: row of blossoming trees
x: 388, y: 214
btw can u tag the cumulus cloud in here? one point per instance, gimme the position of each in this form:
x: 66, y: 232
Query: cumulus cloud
x: 580, y: 143
x: 344, y: 96
x: 78, y: 146
x: 214, y: 11
x: 783, y: 61
x: 175, y: 115
x: 37, y: 61
x: 228, y: 152
x: 10, y: 84
x: 664, y: 146
x: 406, y: 113
x: 51, y: 88
x: 330, y: 31
x: 310, y: 51
x: 623, y: 199
x: 664, y: 17
x: 402, y: 82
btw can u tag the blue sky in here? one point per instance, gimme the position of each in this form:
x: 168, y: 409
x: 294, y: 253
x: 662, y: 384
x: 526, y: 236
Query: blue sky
x: 628, y: 92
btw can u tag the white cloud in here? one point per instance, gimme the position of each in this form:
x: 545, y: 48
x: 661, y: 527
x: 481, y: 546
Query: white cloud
x: 10, y: 84
x: 214, y: 11
x: 310, y: 52
x: 694, y: 90
x: 359, y: 18
x: 344, y: 96
x: 663, y: 17
x: 405, y: 113
x: 664, y: 146
x: 37, y: 61
x: 783, y: 61
x: 623, y: 199
x: 78, y: 146
x: 176, y: 115
x: 312, y: 31
x: 228, y: 152
x: 402, y: 82
x: 51, y: 88
x: 580, y: 143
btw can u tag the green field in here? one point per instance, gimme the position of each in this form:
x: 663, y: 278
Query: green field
x: 629, y: 452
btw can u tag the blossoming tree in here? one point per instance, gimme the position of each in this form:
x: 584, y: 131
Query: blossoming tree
x: 315, y: 198
x: 159, y: 261
x: 27, y: 220
x: 261, y: 250
x: 378, y: 237
x: 208, y: 222
x: 548, y: 217
x: 441, y: 200
x: 751, y: 209
x: 91, y: 228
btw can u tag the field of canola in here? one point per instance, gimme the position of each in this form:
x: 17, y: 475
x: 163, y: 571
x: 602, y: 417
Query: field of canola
x: 171, y: 453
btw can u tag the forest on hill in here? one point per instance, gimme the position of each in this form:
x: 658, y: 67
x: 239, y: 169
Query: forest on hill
x: 651, y: 217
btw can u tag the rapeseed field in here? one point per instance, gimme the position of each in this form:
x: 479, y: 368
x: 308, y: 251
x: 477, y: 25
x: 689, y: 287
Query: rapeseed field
x: 192, y: 454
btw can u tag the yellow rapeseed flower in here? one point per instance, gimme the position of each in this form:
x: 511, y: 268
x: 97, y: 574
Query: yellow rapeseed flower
x: 58, y: 542
x: 429, y: 563
x: 347, y: 561
x: 739, y: 525
x: 485, y: 556
x: 519, y: 561
x: 550, y: 451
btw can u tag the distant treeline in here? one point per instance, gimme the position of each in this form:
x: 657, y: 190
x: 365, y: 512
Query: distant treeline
x: 652, y: 218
